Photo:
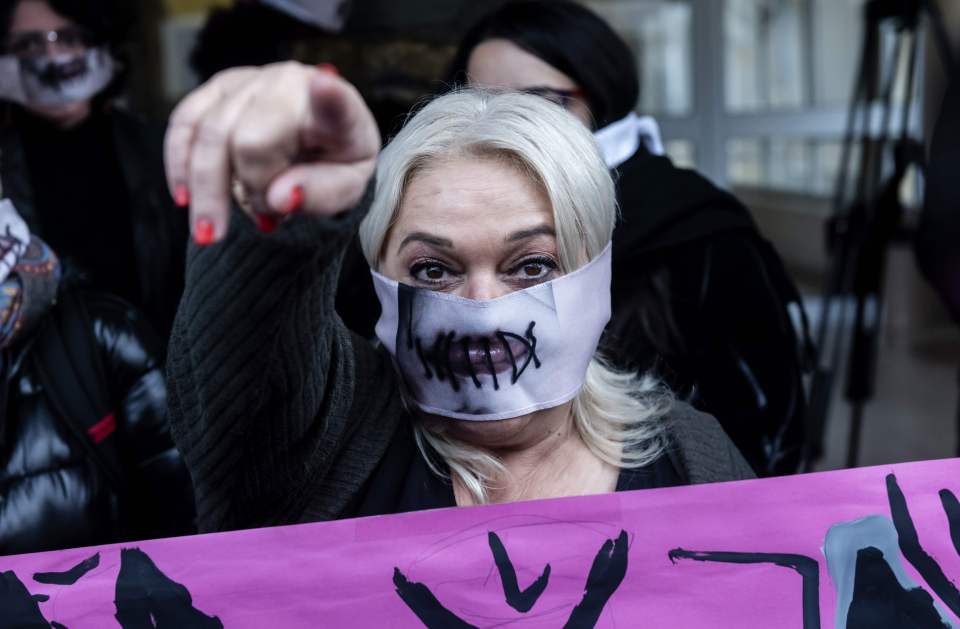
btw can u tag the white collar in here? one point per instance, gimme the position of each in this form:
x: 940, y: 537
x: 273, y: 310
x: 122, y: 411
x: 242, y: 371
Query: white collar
x: 620, y: 140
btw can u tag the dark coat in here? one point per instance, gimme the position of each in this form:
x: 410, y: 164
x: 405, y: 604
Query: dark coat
x: 52, y: 493
x: 160, y: 231
x: 700, y: 297
x: 283, y: 415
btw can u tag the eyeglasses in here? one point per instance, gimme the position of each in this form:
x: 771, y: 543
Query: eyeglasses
x: 27, y: 44
x: 556, y: 95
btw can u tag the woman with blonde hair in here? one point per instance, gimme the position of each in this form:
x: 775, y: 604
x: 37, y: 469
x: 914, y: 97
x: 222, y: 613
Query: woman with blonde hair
x: 488, y: 234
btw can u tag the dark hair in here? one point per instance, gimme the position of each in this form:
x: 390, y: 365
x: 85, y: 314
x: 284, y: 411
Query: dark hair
x: 572, y: 39
x: 267, y: 36
x: 109, y: 23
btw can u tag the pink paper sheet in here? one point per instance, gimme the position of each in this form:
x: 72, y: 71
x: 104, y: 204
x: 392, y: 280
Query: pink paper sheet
x: 341, y: 574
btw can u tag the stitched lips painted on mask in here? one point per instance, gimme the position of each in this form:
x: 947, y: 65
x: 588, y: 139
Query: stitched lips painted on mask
x: 501, y: 358
x: 53, y: 80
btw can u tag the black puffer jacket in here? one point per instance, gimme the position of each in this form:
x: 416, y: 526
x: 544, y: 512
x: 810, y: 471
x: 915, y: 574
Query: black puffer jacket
x: 52, y: 494
x: 700, y: 298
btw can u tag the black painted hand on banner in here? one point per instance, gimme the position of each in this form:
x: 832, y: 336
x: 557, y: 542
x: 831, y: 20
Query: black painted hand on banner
x: 72, y: 575
x: 425, y: 605
x: 952, y: 508
x: 910, y: 546
x: 20, y: 610
x: 148, y: 599
x: 522, y: 601
x: 607, y: 573
x: 880, y: 602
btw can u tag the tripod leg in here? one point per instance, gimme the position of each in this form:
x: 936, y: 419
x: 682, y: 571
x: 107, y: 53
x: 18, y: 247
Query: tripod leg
x: 856, y: 430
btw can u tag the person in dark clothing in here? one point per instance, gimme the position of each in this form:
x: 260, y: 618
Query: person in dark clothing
x: 69, y: 479
x: 938, y: 230
x: 269, y: 36
x: 85, y: 174
x: 489, y: 227
x: 699, y: 296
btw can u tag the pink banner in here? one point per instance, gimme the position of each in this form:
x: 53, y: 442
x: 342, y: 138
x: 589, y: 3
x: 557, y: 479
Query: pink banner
x: 873, y: 547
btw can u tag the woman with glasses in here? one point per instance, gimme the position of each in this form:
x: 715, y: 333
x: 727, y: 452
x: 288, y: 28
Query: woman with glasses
x: 85, y: 174
x: 699, y: 296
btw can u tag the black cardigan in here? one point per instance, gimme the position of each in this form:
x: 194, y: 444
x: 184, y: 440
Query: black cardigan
x: 285, y: 416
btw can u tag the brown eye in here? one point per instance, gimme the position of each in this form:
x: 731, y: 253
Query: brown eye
x: 432, y: 273
x: 534, y: 269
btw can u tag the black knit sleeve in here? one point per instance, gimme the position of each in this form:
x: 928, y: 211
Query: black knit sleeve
x: 275, y: 406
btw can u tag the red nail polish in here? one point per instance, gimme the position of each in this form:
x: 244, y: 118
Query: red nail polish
x: 203, y: 232
x: 266, y: 222
x: 329, y: 68
x: 181, y: 195
x: 295, y: 200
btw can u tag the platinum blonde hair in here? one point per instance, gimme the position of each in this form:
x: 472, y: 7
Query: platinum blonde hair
x: 618, y: 415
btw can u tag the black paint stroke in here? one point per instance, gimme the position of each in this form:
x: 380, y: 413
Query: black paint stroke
x: 607, y: 573
x: 55, y: 625
x: 425, y: 605
x: 924, y: 564
x: 148, y: 599
x: 53, y: 74
x: 522, y: 601
x: 806, y: 567
x: 41, y: 598
x: 72, y: 575
x: 880, y: 602
x: 952, y: 508
x: 488, y: 358
x: 20, y: 610
x: 423, y: 359
x: 530, y: 342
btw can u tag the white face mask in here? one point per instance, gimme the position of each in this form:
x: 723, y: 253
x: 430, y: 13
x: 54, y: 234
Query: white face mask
x: 53, y: 80
x: 620, y: 140
x: 501, y: 358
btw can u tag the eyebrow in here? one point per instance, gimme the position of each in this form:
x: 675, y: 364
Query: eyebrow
x: 523, y: 234
x: 430, y: 239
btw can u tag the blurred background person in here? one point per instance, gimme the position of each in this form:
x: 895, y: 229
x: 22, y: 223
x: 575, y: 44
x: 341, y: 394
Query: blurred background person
x: 84, y: 173
x: 699, y: 296
x: 85, y: 451
x: 269, y: 35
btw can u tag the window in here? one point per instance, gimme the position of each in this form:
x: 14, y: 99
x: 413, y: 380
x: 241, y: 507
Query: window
x: 753, y: 92
x: 660, y: 32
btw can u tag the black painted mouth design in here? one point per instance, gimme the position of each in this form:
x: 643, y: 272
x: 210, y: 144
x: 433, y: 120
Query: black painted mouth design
x: 54, y: 75
x: 451, y: 358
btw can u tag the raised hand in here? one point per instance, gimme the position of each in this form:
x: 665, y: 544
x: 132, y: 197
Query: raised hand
x: 292, y: 137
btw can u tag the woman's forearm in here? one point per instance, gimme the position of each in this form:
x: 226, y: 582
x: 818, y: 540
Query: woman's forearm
x: 255, y: 353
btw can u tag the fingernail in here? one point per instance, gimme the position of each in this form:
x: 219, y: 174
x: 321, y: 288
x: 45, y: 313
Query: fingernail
x: 295, y: 200
x: 266, y: 222
x: 181, y: 195
x: 329, y: 68
x: 203, y: 232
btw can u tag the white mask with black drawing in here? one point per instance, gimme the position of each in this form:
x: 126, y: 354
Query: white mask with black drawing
x: 54, y: 80
x: 500, y: 358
